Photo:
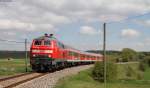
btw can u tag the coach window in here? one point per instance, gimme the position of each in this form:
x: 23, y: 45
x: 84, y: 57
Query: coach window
x: 85, y: 56
x: 75, y: 54
x: 70, y: 53
x: 90, y: 57
x: 82, y: 56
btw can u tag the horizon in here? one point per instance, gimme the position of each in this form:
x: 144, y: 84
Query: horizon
x: 81, y: 50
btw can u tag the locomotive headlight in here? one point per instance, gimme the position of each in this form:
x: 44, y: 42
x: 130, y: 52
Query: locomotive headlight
x: 49, y: 55
x: 34, y: 55
x: 35, y: 51
x: 48, y: 51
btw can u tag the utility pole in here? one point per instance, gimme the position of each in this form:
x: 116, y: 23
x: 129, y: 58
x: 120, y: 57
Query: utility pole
x: 26, y: 56
x: 104, y: 53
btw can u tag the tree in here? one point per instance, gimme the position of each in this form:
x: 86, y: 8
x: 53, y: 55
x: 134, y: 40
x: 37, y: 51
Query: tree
x: 141, y: 56
x: 128, y: 55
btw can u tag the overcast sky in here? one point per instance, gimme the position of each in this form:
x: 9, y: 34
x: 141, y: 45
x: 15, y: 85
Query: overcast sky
x: 77, y: 23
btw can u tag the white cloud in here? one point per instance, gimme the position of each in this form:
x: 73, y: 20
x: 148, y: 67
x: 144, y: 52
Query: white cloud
x: 26, y: 13
x: 11, y: 24
x: 57, y: 12
x: 87, y: 30
x: 15, y: 25
x: 129, y: 33
x: 55, y: 18
x: 45, y: 27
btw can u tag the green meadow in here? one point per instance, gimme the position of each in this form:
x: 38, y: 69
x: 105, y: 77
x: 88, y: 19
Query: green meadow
x: 84, y: 79
x: 12, y: 66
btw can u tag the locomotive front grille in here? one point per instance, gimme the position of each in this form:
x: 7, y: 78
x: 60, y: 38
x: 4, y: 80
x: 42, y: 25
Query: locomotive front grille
x: 41, y: 60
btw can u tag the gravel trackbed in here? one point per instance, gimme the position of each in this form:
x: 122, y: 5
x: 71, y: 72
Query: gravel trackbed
x: 50, y: 80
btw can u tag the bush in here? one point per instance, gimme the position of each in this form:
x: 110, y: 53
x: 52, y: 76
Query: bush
x: 133, y: 73
x: 130, y: 72
x: 125, y: 60
x: 147, y: 60
x: 144, y: 63
x: 98, y: 71
x: 139, y: 75
x: 142, y: 66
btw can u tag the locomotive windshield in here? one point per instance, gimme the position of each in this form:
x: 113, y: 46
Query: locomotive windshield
x: 47, y: 42
x: 42, y: 42
x: 38, y: 42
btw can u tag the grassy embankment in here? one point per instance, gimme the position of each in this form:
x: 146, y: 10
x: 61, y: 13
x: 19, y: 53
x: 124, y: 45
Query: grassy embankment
x: 13, y: 66
x: 84, y: 79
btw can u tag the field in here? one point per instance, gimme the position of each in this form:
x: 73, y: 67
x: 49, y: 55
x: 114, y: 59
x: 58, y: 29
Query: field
x: 84, y: 80
x: 13, y: 66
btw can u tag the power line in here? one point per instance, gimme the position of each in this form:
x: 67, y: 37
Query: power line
x: 13, y: 41
x: 128, y: 18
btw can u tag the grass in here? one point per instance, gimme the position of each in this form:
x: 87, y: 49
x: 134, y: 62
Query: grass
x: 122, y: 70
x: 147, y: 74
x: 11, y: 67
x: 84, y: 80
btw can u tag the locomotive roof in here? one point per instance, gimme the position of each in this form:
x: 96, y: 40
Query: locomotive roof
x: 47, y: 37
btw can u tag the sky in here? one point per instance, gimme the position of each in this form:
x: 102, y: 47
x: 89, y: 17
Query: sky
x: 77, y: 23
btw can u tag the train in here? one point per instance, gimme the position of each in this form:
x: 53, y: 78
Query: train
x: 48, y: 53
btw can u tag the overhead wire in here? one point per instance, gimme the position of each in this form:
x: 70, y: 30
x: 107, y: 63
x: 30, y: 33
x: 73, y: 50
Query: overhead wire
x: 13, y: 41
x: 128, y: 18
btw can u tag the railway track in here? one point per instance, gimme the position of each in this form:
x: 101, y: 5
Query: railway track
x: 13, y: 81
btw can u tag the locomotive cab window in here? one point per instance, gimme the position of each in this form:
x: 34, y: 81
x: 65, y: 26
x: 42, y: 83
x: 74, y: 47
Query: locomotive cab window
x: 38, y: 42
x: 47, y: 42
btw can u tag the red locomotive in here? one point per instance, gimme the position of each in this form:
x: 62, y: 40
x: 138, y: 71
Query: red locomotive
x: 47, y: 53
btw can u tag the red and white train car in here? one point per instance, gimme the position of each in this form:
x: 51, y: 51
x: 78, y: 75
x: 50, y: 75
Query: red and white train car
x: 47, y: 53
